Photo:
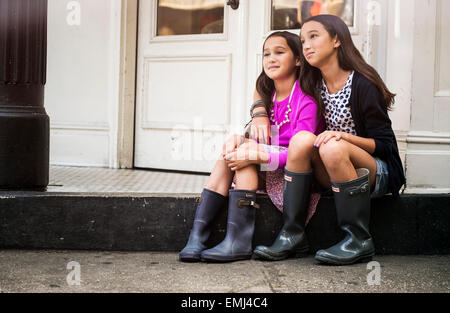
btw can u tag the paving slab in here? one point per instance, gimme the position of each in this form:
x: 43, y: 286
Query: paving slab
x: 153, y: 272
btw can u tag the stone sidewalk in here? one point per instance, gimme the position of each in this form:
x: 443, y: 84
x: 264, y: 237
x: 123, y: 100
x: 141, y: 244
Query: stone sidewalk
x: 151, y: 272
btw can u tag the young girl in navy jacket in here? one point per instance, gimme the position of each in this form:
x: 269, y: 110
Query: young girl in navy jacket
x: 357, y: 156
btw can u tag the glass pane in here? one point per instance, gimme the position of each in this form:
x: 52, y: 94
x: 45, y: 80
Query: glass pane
x: 289, y: 14
x: 187, y: 17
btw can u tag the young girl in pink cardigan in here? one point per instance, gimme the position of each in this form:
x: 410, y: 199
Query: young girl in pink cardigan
x: 252, y: 166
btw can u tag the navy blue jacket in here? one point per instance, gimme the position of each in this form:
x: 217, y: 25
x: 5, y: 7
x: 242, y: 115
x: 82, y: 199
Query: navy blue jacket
x: 372, y: 121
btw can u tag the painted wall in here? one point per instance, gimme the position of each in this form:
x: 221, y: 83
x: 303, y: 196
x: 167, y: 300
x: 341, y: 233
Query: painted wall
x: 81, y: 92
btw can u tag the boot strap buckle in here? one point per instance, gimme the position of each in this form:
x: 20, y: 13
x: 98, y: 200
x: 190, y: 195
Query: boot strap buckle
x: 242, y: 203
x: 357, y: 190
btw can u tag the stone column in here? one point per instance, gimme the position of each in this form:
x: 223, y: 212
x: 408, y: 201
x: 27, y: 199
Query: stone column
x: 24, y: 124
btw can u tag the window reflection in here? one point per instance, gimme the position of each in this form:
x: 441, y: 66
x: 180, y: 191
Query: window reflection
x: 187, y: 17
x: 290, y: 14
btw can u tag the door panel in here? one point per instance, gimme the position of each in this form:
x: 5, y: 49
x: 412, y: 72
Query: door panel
x: 188, y: 82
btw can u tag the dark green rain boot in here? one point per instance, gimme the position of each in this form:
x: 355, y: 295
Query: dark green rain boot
x: 353, y: 214
x: 291, y: 240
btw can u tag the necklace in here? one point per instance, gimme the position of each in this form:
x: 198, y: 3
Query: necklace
x: 289, y: 110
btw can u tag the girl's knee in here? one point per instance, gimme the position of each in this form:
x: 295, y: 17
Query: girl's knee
x: 333, y: 152
x: 303, y: 138
x: 301, y: 143
x: 233, y: 138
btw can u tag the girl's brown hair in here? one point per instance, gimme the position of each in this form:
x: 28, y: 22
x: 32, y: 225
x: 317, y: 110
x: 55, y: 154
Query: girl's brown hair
x: 264, y: 85
x: 349, y: 58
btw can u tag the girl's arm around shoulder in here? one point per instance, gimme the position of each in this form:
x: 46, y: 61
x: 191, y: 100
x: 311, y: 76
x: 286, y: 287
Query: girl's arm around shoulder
x: 306, y: 118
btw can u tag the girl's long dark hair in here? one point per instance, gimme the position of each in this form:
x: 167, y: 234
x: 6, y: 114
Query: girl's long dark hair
x: 349, y: 58
x: 264, y: 85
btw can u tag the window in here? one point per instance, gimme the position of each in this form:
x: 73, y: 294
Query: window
x: 188, y: 17
x: 290, y: 14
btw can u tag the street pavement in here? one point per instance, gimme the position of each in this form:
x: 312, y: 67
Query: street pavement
x: 154, y: 272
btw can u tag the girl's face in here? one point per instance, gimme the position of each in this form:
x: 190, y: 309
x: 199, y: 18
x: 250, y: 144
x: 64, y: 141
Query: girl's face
x: 318, y: 47
x: 279, y: 60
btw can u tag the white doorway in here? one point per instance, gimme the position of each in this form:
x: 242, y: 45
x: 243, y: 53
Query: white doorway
x: 189, y: 81
x: 198, y: 61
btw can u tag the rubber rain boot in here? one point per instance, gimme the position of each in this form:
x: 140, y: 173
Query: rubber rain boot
x: 353, y: 214
x: 209, y: 205
x: 291, y: 240
x: 237, y: 244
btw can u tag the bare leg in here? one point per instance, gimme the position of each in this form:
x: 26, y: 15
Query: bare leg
x: 303, y: 157
x: 300, y: 152
x: 247, y: 178
x: 222, y: 176
x: 342, y: 158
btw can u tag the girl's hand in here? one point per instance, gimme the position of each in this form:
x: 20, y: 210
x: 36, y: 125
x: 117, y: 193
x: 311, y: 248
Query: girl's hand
x: 251, y: 145
x: 232, y: 143
x: 247, y: 154
x: 260, y: 129
x: 324, y: 137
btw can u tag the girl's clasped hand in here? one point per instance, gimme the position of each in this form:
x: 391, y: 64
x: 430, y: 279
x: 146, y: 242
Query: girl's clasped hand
x: 326, y: 136
x: 242, y: 156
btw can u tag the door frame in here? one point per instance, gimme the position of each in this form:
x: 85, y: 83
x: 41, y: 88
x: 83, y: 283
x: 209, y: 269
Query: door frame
x: 124, y: 150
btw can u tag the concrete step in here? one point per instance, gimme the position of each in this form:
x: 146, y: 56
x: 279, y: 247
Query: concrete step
x: 412, y: 224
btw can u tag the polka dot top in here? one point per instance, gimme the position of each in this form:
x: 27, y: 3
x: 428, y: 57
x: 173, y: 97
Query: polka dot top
x: 338, y: 114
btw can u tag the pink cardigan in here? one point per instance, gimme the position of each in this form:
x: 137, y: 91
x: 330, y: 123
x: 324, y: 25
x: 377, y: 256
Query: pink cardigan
x: 302, y: 118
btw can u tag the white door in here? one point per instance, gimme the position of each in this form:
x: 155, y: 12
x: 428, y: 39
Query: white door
x: 198, y: 61
x: 190, y: 81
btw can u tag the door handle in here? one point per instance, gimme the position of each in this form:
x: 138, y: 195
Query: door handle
x: 234, y: 4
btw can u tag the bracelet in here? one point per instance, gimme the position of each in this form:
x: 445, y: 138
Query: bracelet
x: 257, y: 104
x: 260, y: 114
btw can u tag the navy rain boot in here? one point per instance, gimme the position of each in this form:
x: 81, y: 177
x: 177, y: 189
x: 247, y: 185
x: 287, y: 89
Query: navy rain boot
x: 209, y: 205
x: 237, y: 244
